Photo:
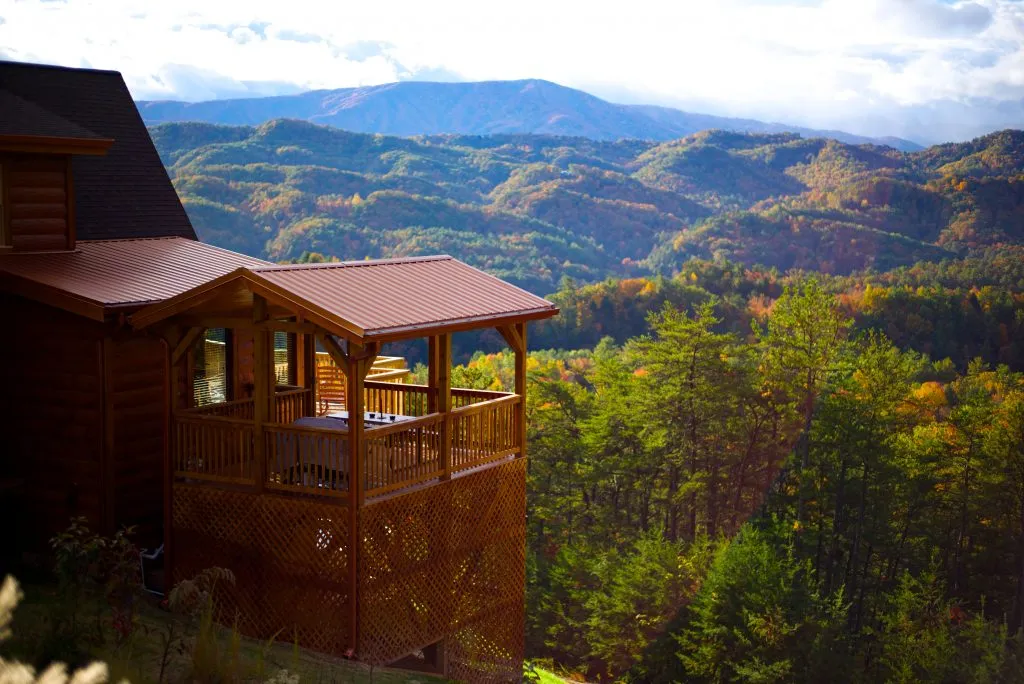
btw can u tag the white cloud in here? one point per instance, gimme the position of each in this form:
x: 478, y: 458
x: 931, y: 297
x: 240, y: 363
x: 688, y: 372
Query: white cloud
x: 843, y: 63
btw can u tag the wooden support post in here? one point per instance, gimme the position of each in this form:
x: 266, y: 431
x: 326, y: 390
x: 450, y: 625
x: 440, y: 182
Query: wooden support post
x: 521, y: 386
x: 305, y: 372
x: 443, y: 378
x: 358, y: 361
x: 264, y: 386
x: 432, y: 374
x: 515, y: 336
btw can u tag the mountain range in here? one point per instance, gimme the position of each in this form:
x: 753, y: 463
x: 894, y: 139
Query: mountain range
x: 535, y: 209
x: 482, y: 108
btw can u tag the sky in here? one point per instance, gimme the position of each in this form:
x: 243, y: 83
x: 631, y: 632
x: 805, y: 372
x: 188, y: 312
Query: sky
x: 928, y: 70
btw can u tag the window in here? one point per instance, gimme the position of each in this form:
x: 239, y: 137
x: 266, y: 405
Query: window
x: 210, y: 368
x: 284, y: 358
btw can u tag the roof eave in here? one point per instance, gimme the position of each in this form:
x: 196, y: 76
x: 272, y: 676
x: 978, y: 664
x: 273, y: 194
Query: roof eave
x: 42, y: 144
x: 52, y: 296
x: 459, y: 325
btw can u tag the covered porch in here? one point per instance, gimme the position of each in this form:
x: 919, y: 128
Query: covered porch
x: 340, y: 470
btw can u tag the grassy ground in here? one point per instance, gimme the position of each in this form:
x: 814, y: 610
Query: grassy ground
x: 139, y: 660
x: 549, y: 677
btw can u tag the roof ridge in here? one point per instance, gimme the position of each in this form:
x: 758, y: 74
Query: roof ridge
x: 352, y: 264
x: 60, y: 67
x: 140, y: 239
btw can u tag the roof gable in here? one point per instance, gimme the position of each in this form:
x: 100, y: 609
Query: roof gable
x: 365, y: 300
x: 123, y: 194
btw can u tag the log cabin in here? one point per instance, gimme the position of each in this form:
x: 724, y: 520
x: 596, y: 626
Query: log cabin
x: 241, y: 413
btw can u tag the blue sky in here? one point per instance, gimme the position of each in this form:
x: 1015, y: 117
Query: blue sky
x: 924, y: 69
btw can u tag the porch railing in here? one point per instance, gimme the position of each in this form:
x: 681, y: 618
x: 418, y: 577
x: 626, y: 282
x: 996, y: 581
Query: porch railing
x: 212, y: 447
x: 468, y: 397
x: 397, y: 398
x: 241, y: 409
x: 292, y: 404
x: 304, y: 459
x: 217, y: 442
x: 484, y: 432
x: 403, y: 454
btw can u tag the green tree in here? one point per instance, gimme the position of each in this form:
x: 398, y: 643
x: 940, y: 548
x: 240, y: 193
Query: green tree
x: 759, y: 618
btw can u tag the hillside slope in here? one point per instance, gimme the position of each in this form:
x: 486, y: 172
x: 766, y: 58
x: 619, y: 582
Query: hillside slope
x: 479, y: 108
x: 536, y: 209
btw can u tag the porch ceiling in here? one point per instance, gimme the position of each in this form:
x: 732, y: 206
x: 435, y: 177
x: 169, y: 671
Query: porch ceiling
x: 362, y: 301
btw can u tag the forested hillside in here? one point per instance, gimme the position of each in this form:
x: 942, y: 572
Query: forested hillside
x: 537, y: 209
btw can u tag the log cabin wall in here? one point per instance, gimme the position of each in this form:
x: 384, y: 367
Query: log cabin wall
x: 52, y: 416
x: 136, y: 401
x: 83, y: 418
x: 39, y: 202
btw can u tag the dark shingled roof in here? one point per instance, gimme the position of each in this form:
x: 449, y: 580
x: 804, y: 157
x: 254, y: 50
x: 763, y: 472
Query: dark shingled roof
x: 123, y: 194
x: 20, y: 117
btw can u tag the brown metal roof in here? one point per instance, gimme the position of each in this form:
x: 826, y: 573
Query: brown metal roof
x: 383, y: 299
x: 395, y: 295
x: 117, y: 273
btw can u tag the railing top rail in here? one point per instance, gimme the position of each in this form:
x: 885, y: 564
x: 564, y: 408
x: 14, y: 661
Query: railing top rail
x: 186, y: 416
x: 397, y: 387
x: 512, y: 399
x: 384, y: 430
x: 464, y: 391
x: 216, y: 406
x: 377, y: 374
x: 305, y: 430
x: 290, y: 391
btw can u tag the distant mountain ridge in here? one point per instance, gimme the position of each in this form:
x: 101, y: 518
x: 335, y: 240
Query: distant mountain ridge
x: 478, y: 108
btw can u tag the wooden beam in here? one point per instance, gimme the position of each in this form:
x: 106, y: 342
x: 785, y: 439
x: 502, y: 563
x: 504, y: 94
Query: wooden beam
x: 432, y: 374
x: 358, y: 365
x: 333, y: 349
x: 291, y: 327
x: 511, y: 335
x: 172, y: 336
x: 444, y: 402
x: 185, y: 343
x: 230, y: 322
x: 305, y: 371
x: 520, y: 383
x: 263, y: 390
x: 421, y: 331
x: 54, y: 144
x: 365, y: 352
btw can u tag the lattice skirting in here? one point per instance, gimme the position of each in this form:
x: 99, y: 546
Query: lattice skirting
x: 445, y: 562
x: 289, y: 556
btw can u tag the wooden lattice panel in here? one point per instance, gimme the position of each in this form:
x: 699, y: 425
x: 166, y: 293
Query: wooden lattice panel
x: 489, y: 648
x: 447, y: 562
x: 289, y: 556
